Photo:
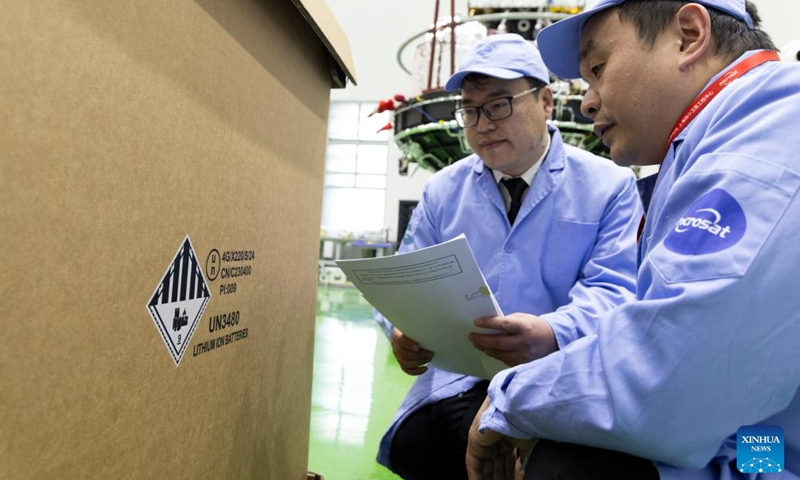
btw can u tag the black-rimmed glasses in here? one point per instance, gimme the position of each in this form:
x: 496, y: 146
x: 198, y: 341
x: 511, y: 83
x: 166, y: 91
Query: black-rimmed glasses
x: 496, y: 109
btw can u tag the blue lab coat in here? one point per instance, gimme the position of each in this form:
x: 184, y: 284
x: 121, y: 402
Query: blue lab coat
x: 712, y: 342
x: 569, y: 257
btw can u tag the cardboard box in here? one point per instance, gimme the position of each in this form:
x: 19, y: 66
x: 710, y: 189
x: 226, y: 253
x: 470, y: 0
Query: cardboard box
x: 161, y: 178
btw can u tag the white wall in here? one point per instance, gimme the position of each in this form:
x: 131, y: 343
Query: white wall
x: 780, y: 19
x: 377, y: 28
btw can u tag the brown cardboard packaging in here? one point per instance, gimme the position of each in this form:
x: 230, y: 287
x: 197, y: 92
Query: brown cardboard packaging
x: 161, y: 174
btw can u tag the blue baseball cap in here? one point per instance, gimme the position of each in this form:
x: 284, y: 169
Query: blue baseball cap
x: 504, y: 55
x: 560, y: 42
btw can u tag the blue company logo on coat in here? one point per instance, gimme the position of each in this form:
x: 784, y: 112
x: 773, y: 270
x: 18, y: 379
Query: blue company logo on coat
x: 759, y: 449
x: 408, y: 236
x: 715, y: 222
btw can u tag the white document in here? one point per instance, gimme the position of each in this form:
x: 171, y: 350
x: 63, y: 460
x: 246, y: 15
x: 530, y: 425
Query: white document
x: 433, y: 296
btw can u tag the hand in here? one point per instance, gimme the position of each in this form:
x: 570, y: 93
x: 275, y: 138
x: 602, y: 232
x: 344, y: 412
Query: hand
x: 521, y: 338
x: 493, y: 456
x: 409, y: 355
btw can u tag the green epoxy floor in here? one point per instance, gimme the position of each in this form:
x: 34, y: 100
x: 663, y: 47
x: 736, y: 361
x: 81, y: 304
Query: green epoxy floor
x: 357, y: 387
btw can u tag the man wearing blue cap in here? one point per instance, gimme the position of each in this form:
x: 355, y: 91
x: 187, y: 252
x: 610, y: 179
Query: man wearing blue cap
x: 700, y: 374
x: 561, y: 247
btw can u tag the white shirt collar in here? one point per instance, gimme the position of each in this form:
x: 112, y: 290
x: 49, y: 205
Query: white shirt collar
x: 529, y: 173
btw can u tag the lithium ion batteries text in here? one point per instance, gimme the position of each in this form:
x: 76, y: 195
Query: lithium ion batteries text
x: 219, y: 342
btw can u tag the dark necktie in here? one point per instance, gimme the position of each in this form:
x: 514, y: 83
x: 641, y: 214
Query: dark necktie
x: 516, y: 188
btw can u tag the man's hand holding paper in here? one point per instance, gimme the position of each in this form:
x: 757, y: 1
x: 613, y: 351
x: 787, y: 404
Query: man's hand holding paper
x: 519, y: 338
x: 411, y: 357
x: 432, y: 297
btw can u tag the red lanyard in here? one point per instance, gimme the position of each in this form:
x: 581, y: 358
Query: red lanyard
x: 701, y: 101
x: 723, y: 81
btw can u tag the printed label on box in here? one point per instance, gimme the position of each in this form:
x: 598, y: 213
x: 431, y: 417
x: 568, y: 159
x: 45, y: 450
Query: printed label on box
x: 179, y: 300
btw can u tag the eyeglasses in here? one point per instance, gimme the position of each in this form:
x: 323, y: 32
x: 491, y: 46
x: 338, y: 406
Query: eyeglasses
x: 496, y: 109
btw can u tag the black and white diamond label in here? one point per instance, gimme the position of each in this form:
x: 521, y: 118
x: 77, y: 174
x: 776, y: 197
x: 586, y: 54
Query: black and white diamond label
x: 179, y: 300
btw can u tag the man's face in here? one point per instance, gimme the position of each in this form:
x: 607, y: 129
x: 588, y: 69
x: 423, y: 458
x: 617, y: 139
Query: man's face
x: 511, y: 145
x: 629, y: 89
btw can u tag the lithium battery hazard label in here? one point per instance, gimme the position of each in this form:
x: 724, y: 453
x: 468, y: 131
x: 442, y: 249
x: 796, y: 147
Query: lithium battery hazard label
x: 179, y: 300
